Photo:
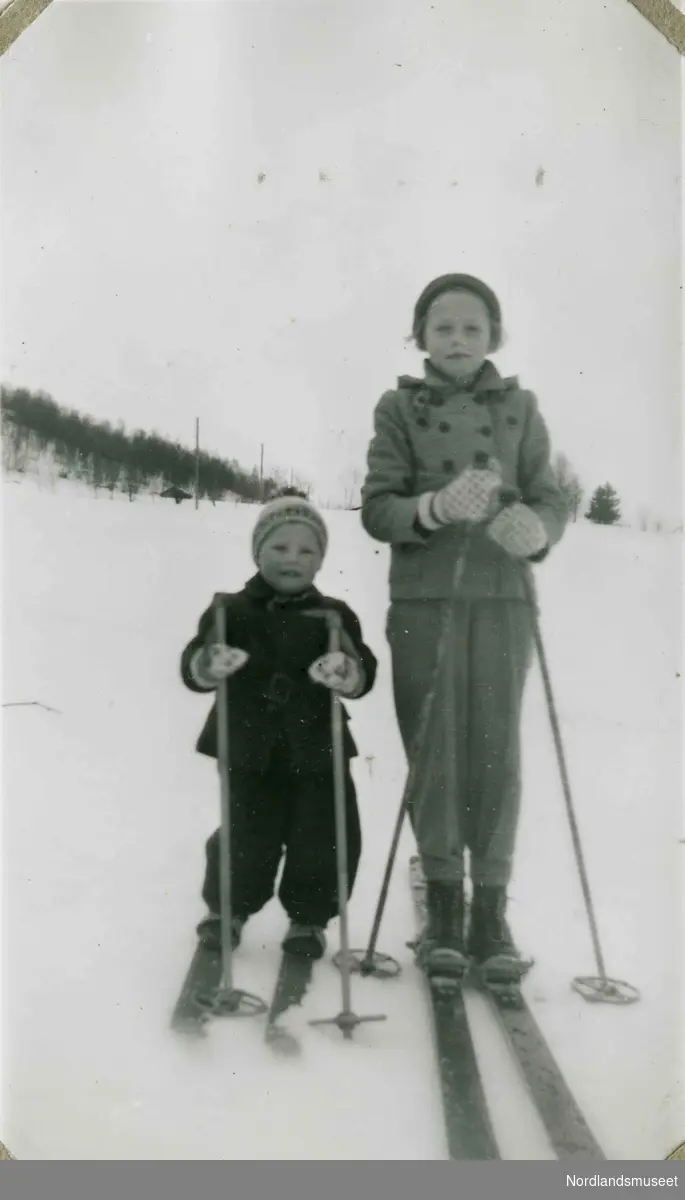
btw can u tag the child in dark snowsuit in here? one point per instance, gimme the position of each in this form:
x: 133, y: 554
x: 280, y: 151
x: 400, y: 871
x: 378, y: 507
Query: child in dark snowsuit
x: 280, y: 737
x: 425, y: 496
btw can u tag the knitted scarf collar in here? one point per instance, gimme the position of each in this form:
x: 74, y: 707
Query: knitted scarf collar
x: 258, y: 589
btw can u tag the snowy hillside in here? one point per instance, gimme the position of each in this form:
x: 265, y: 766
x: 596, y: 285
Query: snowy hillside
x: 106, y: 808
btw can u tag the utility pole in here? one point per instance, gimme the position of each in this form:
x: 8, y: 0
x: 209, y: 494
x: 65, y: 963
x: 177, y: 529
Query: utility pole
x: 197, y: 461
x: 261, y: 474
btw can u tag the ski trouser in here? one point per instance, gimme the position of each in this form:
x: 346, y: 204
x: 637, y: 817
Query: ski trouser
x: 468, y: 784
x: 276, y: 811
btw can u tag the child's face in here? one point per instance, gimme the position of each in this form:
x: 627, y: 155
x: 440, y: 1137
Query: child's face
x: 457, y: 333
x: 290, y: 557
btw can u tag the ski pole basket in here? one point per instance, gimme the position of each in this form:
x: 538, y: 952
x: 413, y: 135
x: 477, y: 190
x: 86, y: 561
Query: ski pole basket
x: 231, y: 1002
x: 597, y: 989
x: 346, y: 1021
x: 375, y: 965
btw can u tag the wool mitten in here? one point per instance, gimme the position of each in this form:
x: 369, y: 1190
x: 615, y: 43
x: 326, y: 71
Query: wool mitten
x: 519, y: 531
x: 471, y: 497
x: 215, y: 662
x: 339, y: 672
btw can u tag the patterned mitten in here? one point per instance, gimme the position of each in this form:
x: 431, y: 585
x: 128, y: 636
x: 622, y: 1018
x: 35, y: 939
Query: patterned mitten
x: 339, y: 672
x: 213, y: 663
x: 472, y: 497
x: 519, y: 531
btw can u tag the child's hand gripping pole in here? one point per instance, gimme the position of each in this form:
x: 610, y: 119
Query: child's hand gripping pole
x: 346, y: 1020
x: 372, y: 962
x: 228, y: 1000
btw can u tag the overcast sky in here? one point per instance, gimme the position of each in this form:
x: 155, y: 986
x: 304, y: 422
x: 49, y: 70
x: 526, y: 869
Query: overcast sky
x: 227, y: 211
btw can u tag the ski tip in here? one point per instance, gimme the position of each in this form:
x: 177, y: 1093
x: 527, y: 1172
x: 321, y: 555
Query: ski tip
x: 282, y: 1042
x: 191, y: 1028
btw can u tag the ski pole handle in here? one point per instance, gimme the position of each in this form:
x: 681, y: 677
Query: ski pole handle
x: 334, y: 623
x: 508, y: 494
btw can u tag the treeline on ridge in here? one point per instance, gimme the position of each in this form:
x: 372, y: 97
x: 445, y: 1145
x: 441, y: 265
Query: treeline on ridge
x: 106, y: 457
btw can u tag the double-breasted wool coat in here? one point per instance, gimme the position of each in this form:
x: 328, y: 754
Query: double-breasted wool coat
x: 426, y: 432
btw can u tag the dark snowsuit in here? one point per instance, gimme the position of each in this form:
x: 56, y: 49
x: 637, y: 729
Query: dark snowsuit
x: 426, y: 432
x: 281, y: 756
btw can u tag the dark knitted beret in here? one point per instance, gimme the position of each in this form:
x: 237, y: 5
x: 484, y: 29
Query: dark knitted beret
x: 457, y: 283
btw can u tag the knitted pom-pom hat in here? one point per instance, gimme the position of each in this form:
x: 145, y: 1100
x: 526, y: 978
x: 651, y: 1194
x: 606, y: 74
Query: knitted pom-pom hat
x: 458, y: 283
x: 288, y: 510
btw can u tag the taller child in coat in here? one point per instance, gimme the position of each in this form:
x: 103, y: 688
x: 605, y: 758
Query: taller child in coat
x: 423, y: 495
x: 280, y: 736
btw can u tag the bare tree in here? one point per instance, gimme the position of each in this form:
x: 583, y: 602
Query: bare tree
x: 569, y: 484
x: 352, y: 481
x: 650, y: 522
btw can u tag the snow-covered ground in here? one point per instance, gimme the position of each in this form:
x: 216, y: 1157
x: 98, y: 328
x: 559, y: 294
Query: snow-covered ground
x: 106, y: 808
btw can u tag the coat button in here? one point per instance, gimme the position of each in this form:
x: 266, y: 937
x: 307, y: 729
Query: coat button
x: 422, y: 422
x: 512, y: 421
x: 486, y: 431
x: 448, y: 464
x: 444, y: 427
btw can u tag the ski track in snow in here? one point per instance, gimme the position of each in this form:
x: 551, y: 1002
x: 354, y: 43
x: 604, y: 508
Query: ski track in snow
x: 107, y: 807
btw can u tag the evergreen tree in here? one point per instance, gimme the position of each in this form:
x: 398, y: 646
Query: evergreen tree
x: 604, y: 506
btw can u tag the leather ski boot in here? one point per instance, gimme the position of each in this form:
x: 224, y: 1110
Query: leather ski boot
x: 305, y: 941
x: 209, y: 931
x: 441, y: 950
x: 490, y: 943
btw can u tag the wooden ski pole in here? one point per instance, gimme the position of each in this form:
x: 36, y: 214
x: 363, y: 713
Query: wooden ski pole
x: 229, y: 1000
x: 371, y: 961
x: 599, y: 987
x: 346, y: 1020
